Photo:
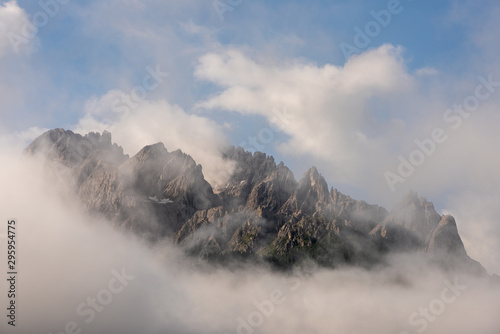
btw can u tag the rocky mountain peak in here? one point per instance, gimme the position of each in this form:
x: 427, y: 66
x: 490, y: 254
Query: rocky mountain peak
x: 313, y: 176
x: 314, y: 182
x: 415, y: 214
x: 311, y: 195
x: 262, y: 211
x: 445, y: 238
x: 157, y: 149
x: 156, y: 172
x: 445, y: 245
x: 250, y: 167
x: 336, y: 196
x: 415, y: 225
x: 99, y: 140
x: 71, y: 149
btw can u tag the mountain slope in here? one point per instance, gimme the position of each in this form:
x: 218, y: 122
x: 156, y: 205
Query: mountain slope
x: 262, y: 212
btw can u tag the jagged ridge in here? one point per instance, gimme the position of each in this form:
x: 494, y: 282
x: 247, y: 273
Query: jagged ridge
x: 262, y: 212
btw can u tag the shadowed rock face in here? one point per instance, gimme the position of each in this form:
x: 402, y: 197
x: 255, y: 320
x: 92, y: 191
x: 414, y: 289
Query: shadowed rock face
x: 310, y: 196
x: 444, y: 239
x: 407, y: 226
x: 444, y: 245
x: 261, y: 213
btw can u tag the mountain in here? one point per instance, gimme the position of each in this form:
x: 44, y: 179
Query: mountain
x: 261, y: 214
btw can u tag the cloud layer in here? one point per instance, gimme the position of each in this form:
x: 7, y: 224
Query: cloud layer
x: 69, y: 261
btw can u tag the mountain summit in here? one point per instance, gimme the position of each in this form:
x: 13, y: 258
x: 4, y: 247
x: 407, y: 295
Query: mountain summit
x: 262, y: 213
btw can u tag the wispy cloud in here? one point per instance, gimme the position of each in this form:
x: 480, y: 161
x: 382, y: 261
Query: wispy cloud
x: 159, y: 121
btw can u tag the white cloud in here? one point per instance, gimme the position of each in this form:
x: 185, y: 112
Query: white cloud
x: 426, y: 71
x: 13, y: 33
x: 336, y: 125
x: 332, y: 121
x: 30, y: 134
x: 480, y: 214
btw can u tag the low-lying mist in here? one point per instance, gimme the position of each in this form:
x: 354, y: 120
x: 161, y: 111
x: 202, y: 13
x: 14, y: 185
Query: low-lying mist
x: 78, y: 274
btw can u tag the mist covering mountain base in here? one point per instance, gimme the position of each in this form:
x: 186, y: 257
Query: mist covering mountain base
x: 262, y: 214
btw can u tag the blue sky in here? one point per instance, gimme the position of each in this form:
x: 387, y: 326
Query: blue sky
x: 80, y: 57
x: 273, y: 71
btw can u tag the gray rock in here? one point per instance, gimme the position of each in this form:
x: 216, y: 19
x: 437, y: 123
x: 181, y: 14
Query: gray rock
x: 261, y: 213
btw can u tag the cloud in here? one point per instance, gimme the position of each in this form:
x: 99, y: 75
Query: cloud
x: 354, y: 122
x: 167, y: 292
x: 30, y: 134
x: 60, y: 271
x: 480, y: 214
x: 332, y: 120
x: 426, y: 71
x: 148, y: 122
x: 13, y: 32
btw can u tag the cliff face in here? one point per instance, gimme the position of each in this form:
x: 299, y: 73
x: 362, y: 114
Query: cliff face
x: 261, y: 213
